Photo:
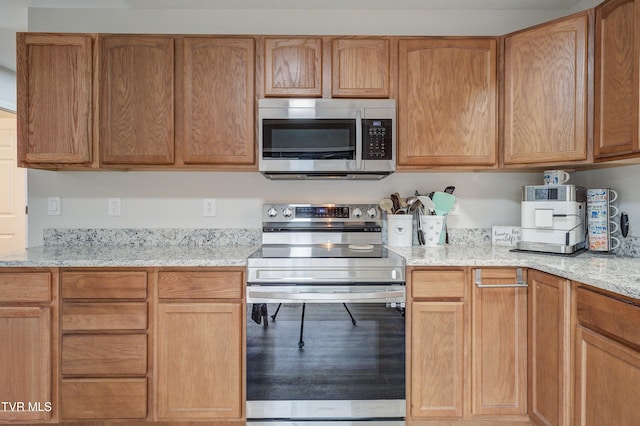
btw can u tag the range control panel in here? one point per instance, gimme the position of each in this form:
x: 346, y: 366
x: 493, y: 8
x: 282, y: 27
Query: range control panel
x: 377, y: 139
x: 320, y: 212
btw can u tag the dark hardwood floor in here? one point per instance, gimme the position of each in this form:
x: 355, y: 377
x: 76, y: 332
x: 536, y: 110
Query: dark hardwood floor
x: 338, y: 360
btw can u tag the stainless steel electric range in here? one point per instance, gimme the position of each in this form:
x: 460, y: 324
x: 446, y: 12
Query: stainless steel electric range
x: 325, y: 326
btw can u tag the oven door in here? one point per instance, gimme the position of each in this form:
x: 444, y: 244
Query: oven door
x: 326, y: 352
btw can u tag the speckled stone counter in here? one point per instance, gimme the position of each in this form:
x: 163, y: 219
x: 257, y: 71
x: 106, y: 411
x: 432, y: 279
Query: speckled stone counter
x: 613, y: 273
x: 128, y: 256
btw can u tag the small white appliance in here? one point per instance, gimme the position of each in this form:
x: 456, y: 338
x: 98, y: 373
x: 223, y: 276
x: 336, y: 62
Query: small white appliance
x: 553, y: 218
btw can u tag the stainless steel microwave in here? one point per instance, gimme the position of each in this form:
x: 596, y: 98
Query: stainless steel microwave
x: 327, y: 138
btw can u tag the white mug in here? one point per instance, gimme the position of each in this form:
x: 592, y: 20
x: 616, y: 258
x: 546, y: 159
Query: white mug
x: 615, y: 243
x: 613, y: 212
x: 555, y: 177
x: 613, y: 227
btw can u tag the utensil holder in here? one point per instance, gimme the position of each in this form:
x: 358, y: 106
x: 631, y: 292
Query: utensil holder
x: 400, y: 230
x: 432, y: 228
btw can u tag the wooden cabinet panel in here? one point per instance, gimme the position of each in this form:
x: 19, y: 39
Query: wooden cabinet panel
x: 31, y: 287
x: 25, y: 361
x: 199, y: 370
x: 293, y: 67
x: 360, y: 68
x: 200, y: 285
x: 608, y: 315
x: 607, y: 382
x: 437, y: 359
x: 499, y: 336
x: 217, y: 100
x: 437, y: 284
x: 104, y: 316
x: 545, y: 93
x: 104, y: 285
x: 136, y: 99
x: 54, y: 82
x: 616, y: 78
x: 447, y: 103
x: 549, y: 349
x: 104, y: 355
x: 104, y: 398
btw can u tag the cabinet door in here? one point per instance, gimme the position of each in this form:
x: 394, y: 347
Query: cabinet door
x: 545, y: 93
x: 607, y: 383
x: 136, y: 100
x: 437, y: 359
x: 54, y: 98
x: 360, y: 68
x: 499, y: 339
x: 447, y: 103
x: 217, y: 102
x: 549, y: 349
x: 25, y: 363
x: 199, y: 361
x: 616, y: 78
x: 293, y: 67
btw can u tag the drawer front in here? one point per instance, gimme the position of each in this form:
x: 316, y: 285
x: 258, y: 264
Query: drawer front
x: 103, y: 399
x: 25, y: 287
x: 615, y: 317
x: 104, y: 355
x: 437, y: 284
x: 104, y: 285
x: 200, y: 285
x: 78, y: 316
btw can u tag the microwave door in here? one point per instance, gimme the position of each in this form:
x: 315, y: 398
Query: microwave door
x: 358, y: 140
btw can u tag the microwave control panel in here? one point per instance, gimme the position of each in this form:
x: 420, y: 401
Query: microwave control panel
x: 377, y: 139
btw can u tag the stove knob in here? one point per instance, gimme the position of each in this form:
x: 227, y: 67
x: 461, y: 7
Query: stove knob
x: 272, y: 212
x: 287, y: 212
x: 372, y: 212
x: 357, y: 212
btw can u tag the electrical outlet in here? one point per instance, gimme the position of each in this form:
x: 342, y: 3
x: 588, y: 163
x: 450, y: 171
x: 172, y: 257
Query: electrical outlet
x: 209, y: 207
x: 455, y: 210
x: 113, y: 207
x: 54, y: 206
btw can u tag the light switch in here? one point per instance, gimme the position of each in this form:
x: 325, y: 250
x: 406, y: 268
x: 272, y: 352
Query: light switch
x: 54, y: 206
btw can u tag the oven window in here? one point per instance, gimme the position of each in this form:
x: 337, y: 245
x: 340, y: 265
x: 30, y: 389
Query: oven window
x: 337, y: 360
x: 306, y: 139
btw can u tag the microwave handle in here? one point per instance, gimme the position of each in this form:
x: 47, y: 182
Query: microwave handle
x: 358, y: 140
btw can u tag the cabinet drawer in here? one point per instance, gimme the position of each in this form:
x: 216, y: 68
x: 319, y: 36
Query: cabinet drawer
x: 610, y: 315
x: 104, y: 285
x: 103, y: 399
x: 200, y: 285
x: 104, y: 355
x: 437, y: 284
x: 25, y: 287
x: 104, y: 316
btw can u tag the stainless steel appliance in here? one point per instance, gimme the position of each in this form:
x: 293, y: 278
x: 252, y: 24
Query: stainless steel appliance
x: 553, y: 218
x: 327, y: 138
x: 334, y: 348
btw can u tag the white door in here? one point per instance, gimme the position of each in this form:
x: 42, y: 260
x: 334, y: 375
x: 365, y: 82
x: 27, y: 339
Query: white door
x: 12, y: 188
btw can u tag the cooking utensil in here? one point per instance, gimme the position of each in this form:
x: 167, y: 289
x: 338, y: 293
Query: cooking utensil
x: 450, y: 189
x: 427, y: 203
x: 386, y: 205
x: 395, y: 197
x: 444, y: 203
x: 415, y: 207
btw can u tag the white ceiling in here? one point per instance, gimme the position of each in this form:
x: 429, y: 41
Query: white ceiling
x: 14, y: 13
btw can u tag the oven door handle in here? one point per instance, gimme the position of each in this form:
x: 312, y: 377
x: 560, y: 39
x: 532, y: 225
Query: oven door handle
x: 274, y: 295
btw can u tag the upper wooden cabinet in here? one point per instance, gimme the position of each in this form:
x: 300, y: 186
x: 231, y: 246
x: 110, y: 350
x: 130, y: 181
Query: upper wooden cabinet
x: 136, y: 99
x: 617, y: 67
x: 360, y: 68
x: 447, y: 102
x: 54, y: 82
x: 545, y: 93
x: 293, y: 67
x: 216, y: 100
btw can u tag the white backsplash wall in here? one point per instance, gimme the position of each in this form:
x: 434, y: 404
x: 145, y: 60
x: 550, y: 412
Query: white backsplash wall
x: 175, y: 199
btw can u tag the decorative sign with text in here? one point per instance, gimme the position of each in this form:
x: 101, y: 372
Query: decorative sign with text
x: 505, y: 235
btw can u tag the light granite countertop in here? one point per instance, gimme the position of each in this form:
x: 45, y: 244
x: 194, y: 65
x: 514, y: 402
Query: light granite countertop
x: 617, y: 274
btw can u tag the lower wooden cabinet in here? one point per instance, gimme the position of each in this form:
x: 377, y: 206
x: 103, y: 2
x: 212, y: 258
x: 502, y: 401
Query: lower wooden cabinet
x: 199, y: 345
x: 28, y: 317
x: 437, y: 344
x: 550, y: 349
x: 499, y: 343
x: 607, y: 388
